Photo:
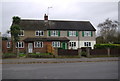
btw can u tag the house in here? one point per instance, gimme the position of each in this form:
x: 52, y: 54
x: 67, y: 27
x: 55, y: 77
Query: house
x: 37, y: 35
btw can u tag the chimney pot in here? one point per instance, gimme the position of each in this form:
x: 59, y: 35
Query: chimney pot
x: 45, y: 17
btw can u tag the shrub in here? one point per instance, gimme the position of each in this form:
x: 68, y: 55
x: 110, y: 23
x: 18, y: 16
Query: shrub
x: 107, y: 46
x: 22, y: 55
x: 9, y: 55
x: 83, y: 53
x: 40, y: 55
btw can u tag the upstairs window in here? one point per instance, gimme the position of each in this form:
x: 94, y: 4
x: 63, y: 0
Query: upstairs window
x: 56, y: 44
x: 39, y: 33
x: 8, y: 44
x: 87, y: 44
x: 87, y: 33
x: 54, y: 33
x: 21, y: 33
x: 38, y: 44
x: 72, y: 33
x: 20, y: 45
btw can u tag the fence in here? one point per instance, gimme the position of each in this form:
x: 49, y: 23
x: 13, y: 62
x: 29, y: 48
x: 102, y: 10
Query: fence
x: 111, y: 52
x: 67, y: 52
x: 92, y: 52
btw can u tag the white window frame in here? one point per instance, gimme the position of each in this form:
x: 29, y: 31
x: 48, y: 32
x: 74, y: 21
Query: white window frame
x: 56, y: 43
x: 54, y: 33
x: 87, y: 33
x: 39, y: 33
x: 20, y: 45
x: 72, y: 33
x: 21, y: 34
x: 8, y: 44
x: 38, y: 44
x: 72, y: 44
x: 87, y: 44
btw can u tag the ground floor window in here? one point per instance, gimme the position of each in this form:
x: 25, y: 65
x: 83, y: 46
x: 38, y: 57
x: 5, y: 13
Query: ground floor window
x: 20, y: 45
x: 87, y: 44
x: 8, y: 44
x: 72, y: 44
x: 56, y: 44
x: 38, y: 44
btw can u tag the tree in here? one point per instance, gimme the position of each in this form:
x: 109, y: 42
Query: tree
x: 108, y: 30
x: 15, y: 30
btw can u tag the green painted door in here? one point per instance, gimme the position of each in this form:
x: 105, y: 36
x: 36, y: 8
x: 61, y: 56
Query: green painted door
x: 64, y: 45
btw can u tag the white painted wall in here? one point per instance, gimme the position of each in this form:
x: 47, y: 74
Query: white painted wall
x: 81, y: 44
x: 76, y: 47
x: 92, y: 44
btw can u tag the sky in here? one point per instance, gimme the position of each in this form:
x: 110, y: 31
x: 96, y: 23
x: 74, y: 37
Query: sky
x: 95, y: 11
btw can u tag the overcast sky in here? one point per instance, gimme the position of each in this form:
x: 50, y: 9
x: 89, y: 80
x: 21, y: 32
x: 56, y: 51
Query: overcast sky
x: 94, y: 11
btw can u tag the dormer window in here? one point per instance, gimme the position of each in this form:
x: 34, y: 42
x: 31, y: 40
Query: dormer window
x: 21, y: 33
x: 39, y: 33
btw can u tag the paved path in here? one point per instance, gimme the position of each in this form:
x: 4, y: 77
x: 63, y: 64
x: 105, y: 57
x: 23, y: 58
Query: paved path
x: 56, y: 60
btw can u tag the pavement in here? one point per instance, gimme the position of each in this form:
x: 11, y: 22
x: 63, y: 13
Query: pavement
x: 56, y: 60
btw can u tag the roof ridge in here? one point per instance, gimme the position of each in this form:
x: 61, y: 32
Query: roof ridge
x: 54, y: 20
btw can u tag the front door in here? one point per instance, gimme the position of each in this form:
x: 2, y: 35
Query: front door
x: 64, y: 45
x: 30, y: 47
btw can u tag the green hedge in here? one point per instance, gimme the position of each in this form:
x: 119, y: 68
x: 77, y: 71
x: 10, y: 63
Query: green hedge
x: 9, y: 55
x: 41, y: 55
x: 107, y: 46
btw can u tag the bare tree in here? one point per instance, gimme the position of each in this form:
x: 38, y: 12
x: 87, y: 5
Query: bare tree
x: 108, y: 30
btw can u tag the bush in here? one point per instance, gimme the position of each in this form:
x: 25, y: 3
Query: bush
x: 41, y: 55
x: 83, y: 53
x: 22, y: 55
x: 107, y: 46
x: 9, y: 55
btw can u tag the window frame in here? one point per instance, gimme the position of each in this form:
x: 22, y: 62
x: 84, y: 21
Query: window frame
x: 72, y: 33
x: 72, y: 44
x: 87, y: 44
x: 39, y: 33
x: 8, y: 44
x: 56, y: 44
x: 20, y: 45
x: 87, y: 33
x: 22, y: 33
x: 38, y: 46
x: 54, y: 33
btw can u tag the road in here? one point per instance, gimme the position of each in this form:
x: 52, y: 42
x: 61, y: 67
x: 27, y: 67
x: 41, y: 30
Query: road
x: 82, y: 70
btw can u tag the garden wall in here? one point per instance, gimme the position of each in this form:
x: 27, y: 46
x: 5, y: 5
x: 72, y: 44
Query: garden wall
x: 67, y: 52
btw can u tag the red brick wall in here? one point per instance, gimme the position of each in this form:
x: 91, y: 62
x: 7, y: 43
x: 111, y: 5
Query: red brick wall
x: 4, y: 47
x: 24, y: 50
x: 43, y: 49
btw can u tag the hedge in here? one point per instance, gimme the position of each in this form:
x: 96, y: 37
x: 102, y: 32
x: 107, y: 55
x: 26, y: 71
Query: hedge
x: 107, y: 46
x: 41, y: 55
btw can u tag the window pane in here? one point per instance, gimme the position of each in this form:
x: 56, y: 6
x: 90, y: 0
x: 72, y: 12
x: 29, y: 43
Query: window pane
x: 36, y: 32
x: 74, y: 43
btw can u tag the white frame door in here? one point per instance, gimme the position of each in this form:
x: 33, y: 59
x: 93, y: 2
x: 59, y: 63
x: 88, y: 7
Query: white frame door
x: 30, y: 47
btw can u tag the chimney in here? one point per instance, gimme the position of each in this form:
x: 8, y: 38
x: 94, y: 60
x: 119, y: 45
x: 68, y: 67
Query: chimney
x: 45, y: 17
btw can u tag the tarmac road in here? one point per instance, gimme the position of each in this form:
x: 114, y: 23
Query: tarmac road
x: 82, y: 70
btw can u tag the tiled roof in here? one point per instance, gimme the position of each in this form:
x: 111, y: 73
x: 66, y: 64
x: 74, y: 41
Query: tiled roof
x: 47, y: 39
x: 56, y: 25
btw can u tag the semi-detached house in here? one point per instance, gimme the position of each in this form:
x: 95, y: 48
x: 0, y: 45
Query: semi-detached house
x: 37, y: 34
